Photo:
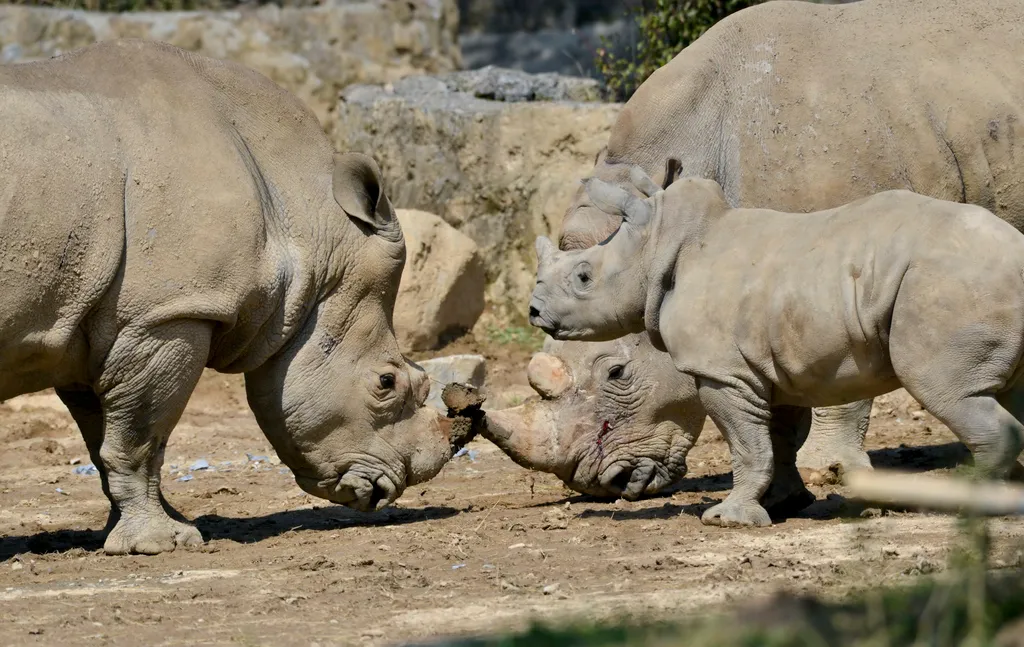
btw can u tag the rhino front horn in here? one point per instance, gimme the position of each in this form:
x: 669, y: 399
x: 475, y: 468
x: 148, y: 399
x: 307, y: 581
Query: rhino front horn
x: 548, y: 375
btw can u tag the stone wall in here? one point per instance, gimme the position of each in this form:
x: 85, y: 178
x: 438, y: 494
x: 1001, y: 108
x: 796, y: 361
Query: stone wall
x: 313, y: 52
x: 500, y: 169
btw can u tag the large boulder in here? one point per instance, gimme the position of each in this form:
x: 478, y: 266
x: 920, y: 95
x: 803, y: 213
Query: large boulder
x: 441, y: 294
x: 311, y: 51
x: 500, y: 171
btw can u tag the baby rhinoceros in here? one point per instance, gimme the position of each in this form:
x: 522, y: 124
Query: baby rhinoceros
x: 773, y: 313
x: 162, y: 212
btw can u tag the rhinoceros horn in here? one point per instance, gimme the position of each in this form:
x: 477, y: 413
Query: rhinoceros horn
x: 618, y: 202
x: 548, y: 375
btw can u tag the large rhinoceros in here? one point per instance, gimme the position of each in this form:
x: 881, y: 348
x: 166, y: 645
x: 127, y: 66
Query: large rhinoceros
x: 162, y: 212
x: 800, y: 107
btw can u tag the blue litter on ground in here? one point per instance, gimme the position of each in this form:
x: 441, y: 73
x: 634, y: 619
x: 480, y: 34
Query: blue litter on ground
x: 456, y: 567
x: 86, y: 470
x: 60, y: 491
x: 187, y: 477
x: 461, y: 452
x: 201, y: 464
x: 283, y: 470
x: 254, y: 458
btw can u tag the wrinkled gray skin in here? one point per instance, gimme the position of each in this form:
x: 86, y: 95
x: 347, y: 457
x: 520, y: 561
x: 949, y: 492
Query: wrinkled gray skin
x: 613, y: 420
x: 802, y: 107
x: 897, y: 289
x: 163, y: 212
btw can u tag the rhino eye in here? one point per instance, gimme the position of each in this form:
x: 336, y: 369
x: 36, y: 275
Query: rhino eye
x: 583, y: 277
x: 616, y: 372
x: 387, y: 381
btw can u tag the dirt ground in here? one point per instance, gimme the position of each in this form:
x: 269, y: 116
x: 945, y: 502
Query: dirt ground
x: 485, y: 546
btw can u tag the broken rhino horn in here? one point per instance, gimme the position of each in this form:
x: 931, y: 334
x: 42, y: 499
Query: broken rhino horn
x: 642, y: 181
x: 548, y: 375
x: 617, y: 201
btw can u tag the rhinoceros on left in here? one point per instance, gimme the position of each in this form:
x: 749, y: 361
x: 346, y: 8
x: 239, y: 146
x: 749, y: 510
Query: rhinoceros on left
x: 162, y: 212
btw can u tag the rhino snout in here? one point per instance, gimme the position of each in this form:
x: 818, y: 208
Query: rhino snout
x: 632, y: 481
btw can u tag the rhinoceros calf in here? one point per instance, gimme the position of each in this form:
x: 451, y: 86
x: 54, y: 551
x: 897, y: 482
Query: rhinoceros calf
x: 819, y: 309
x: 803, y: 107
x: 161, y: 212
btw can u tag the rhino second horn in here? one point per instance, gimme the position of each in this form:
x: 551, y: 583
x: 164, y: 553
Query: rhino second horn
x: 548, y: 375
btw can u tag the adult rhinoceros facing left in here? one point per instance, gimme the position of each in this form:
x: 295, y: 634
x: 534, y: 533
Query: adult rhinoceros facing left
x: 161, y: 212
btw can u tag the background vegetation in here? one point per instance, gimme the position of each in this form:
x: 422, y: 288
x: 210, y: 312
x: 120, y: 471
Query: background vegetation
x: 665, y: 28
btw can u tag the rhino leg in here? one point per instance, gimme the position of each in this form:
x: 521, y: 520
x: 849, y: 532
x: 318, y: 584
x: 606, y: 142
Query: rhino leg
x: 787, y: 493
x: 837, y: 436
x: 145, y: 387
x: 743, y: 418
x: 86, y: 409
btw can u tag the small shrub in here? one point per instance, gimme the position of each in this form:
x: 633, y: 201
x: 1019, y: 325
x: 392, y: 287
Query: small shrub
x: 666, y: 27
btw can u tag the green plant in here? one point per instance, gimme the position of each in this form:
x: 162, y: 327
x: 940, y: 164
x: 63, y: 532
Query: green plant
x: 666, y: 27
x: 525, y: 336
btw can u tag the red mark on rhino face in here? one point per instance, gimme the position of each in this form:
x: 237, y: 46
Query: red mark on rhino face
x: 605, y: 428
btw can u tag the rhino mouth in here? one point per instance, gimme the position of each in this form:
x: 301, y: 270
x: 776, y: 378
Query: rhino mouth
x: 358, y: 489
x: 632, y: 481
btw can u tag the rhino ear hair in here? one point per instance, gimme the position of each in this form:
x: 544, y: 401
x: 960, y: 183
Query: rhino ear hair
x: 359, y: 191
x: 545, y: 249
x: 601, y: 155
x: 673, y: 170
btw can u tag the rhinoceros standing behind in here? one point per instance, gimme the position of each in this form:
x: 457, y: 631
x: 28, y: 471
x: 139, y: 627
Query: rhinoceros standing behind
x: 161, y: 212
x: 896, y: 289
x: 803, y: 107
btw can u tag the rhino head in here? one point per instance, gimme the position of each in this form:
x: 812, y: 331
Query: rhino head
x: 612, y: 418
x: 340, y: 404
x: 616, y: 287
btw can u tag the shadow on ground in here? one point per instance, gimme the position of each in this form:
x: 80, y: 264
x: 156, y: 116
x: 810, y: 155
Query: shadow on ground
x: 243, y: 530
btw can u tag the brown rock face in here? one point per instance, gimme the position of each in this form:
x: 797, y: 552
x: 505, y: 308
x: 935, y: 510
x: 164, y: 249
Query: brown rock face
x: 442, y: 290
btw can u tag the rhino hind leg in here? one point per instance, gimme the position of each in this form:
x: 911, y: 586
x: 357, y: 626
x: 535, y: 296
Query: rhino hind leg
x: 149, y: 379
x: 787, y: 494
x: 837, y: 436
x: 743, y: 419
x: 994, y: 436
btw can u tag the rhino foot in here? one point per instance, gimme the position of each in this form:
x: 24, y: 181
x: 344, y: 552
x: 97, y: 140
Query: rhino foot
x: 150, y: 536
x: 732, y: 514
x: 784, y: 500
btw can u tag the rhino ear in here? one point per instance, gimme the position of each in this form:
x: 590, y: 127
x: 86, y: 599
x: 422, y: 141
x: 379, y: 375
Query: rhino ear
x: 545, y: 249
x: 601, y: 155
x: 673, y: 170
x: 359, y: 191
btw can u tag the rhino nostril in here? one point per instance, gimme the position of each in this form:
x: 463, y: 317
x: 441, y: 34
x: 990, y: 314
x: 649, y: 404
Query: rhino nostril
x: 534, y: 312
x: 621, y: 481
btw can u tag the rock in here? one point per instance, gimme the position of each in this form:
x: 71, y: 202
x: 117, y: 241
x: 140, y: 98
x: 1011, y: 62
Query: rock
x: 462, y: 369
x: 499, y: 172
x: 311, y: 51
x: 441, y: 294
x: 498, y: 84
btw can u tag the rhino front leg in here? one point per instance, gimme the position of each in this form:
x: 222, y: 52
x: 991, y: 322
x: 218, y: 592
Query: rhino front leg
x: 837, y: 436
x: 146, y: 383
x: 744, y: 419
x: 787, y: 493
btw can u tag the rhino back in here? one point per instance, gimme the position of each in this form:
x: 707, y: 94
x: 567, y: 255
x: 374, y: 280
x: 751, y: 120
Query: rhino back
x: 167, y: 184
x: 799, y: 107
x: 811, y: 300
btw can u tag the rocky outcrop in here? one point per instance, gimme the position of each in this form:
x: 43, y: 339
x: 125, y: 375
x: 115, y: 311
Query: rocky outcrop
x: 442, y: 290
x: 313, y: 51
x: 501, y: 172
